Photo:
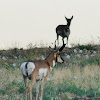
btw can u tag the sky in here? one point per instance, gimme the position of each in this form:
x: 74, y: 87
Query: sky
x: 34, y: 21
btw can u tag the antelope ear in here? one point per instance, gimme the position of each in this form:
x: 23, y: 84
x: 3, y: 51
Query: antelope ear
x: 65, y: 17
x: 72, y: 17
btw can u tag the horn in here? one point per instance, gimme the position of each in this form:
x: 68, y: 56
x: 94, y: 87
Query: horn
x: 65, y: 17
x: 55, y: 46
x: 62, y: 47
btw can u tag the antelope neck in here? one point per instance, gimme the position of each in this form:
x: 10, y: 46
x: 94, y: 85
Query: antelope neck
x: 68, y: 25
x: 51, y: 63
x: 51, y: 60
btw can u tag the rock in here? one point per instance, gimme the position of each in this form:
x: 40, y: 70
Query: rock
x: 4, y: 58
x: 78, y: 55
x: 92, y: 55
x: 42, y: 57
x: 14, y: 64
x: 86, y: 56
x: 75, y: 51
x: 15, y: 57
x: 75, y: 77
x: 68, y: 56
x: 94, y: 52
x: 81, y: 51
x: 49, y: 79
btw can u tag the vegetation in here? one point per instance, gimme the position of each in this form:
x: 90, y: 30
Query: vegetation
x: 88, y: 47
x: 78, y: 78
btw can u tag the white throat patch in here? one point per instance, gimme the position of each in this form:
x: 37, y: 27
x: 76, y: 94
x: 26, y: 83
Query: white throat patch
x: 53, y: 63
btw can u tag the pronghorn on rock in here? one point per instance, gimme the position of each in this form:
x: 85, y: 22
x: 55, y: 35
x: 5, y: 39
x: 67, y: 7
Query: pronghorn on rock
x: 64, y: 30
x: 38, y: 70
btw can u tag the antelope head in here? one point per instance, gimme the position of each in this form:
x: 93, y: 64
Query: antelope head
x: 68, y: 20
x: 57, y: 53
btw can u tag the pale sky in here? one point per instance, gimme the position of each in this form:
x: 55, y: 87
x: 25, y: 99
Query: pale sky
x: 34, y: 21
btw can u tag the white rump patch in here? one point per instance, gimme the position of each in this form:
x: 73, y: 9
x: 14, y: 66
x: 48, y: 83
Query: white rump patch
x: 30, y: 67
x: 22, y: 67
x: 29, y: 70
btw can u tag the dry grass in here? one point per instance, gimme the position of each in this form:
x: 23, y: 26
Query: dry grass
x: 77, y: 77
x: 84, y: 78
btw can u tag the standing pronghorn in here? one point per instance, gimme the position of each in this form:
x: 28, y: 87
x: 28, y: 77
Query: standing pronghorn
x: 64, y: 30
x: 36, y: 70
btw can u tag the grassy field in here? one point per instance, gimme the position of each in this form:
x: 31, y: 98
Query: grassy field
x: 77, y: 79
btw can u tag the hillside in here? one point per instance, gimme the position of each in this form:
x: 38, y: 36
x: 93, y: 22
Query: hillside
x: 77, y: 52
x: 78, y: 78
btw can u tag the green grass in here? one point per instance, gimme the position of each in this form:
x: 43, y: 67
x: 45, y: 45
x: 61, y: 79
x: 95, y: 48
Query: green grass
x: 63, y: 86
x: 77, y: 77
x: 87, y: 47
x: 83, y: 61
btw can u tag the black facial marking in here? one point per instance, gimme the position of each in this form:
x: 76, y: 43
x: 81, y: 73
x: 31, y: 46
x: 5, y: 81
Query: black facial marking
x: 56, y: 58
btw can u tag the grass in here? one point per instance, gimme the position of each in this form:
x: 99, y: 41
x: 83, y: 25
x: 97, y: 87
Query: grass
x: 67, y: 83
x: 83, y: 61
x: 76, y: 78
x: 87, y: 47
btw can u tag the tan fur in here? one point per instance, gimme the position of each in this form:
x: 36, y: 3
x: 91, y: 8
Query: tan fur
x: 48, y: 64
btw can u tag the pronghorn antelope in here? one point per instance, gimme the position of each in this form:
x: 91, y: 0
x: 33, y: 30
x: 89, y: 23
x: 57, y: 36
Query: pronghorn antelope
x: 64, y: 30
x: 38, y: 70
